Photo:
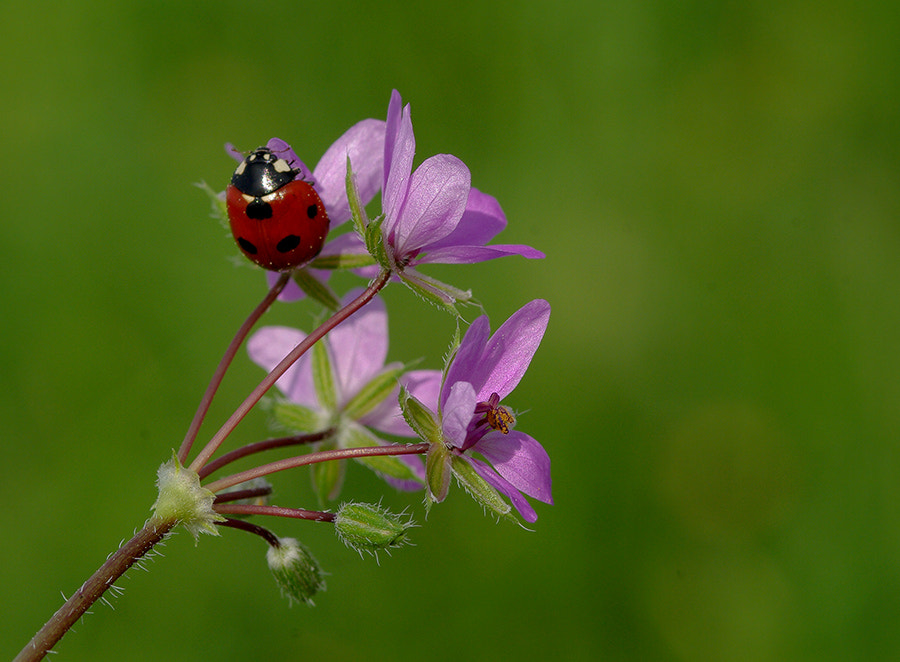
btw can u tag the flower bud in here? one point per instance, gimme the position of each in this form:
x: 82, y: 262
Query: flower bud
x: 369, y: 527
x: 296, y: 572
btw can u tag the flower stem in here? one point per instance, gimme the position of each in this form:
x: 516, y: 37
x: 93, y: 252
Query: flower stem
x: 96, y: 585
x: 219, y: 374
x: 260, y: 446
x: 276, y: 511
x: 255, y: 529
x: 312, y: 458
x: 239, y: 495
x: 298, y: 351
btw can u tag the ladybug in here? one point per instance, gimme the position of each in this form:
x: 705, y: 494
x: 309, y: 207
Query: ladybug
x: 278, y: 221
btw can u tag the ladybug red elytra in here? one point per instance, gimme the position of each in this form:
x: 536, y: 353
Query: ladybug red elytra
x: 278, y: 221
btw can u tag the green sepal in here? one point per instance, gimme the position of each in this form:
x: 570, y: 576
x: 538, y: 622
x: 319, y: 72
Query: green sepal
x: 373, y: 393
x: 357, y: 436
x: 375, y: 242
x: 219, y: 206
x: 328, y: 477
x: 181, y: 498
x: 323, y: 377
x: 343, y: 261
x: 357, y: 210
x: 314, y: 288
x: 479, y: 489
x: 419, y: 417
x: 439, y: 294
x: 437, y: 473
x: 294, y: 417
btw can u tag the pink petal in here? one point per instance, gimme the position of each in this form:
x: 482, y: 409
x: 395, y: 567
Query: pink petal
x: 359, y: 346
x: 521, y: 460
x: 503, y: 486
x: 435, y: 202
x: 508, y: 353
x: 482, y: 220
x: 457, y: 412
x: 473, y: 254
x: 399, y: 149
x: 268, y: 346
x: 364, y: 144
x: 424, y: 385
x: 468, y: 355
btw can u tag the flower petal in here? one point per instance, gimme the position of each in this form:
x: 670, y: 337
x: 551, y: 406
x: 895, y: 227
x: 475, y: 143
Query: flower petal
x: 268, y: 346
x: 473, y: 254
x: 482, y: 220
x: 364, y: 144
x: 387, y: 417
x: 424, y: 385
x: 358, y: 346
x: 468, y: 355
x: 348, y: 243
x: 503, y: 486
x: 457, y: 413
x: 521, y: 460
x: 434, y: 204
x: 234, y: 152
x: 399, y: 149
x: 508, y: 353
x: 417, y: 466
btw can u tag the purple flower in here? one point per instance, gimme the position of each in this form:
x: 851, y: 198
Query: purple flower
x: 348, y: 387
x: 364, y: 144
x: 482, y: 373
x: 433, y: 215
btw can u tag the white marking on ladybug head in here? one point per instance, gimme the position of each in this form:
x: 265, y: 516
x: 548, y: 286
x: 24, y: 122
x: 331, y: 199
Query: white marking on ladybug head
x: 240, y: 169
x: 282, y: 166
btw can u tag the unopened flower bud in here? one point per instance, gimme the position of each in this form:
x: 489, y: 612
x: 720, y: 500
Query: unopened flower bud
x: 296, y: 571
x: 370, y: 527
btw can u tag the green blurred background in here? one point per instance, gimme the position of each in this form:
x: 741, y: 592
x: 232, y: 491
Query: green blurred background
x: 715, y: 185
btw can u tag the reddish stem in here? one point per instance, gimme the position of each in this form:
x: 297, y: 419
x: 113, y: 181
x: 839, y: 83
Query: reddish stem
x: 96, y: 585
x: 298, y: 351
x: 312, y: 458
x: 255, y: 529
x: 230, y: 353
x: 260, y: 446
x: 276, y: 511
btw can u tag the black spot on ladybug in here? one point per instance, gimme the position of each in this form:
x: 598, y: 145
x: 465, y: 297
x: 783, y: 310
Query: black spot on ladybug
x: 259, y: 210
x: 247, y: 246
x: 288, y: 243
x: 312, y: 211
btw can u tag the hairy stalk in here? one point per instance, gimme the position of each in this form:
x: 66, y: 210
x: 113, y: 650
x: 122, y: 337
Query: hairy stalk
x: 275, y: 511
x: 238, y: 495
x: 96, y: 585
x: 230, y: 353
x: 260, y: 446
x: 298, y: 351
x: 313, y: 458
x: 255, y: 529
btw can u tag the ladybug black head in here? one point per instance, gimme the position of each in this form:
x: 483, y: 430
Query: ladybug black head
x: 262, y: 173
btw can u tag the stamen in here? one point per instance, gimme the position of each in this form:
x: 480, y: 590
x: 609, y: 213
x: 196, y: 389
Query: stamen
x: 501, y: 419
x: 489, y: 415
